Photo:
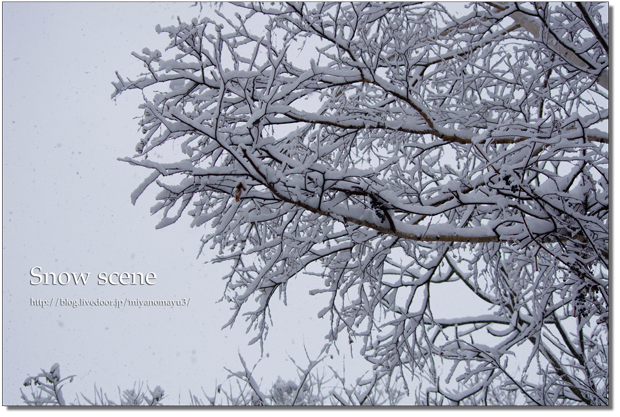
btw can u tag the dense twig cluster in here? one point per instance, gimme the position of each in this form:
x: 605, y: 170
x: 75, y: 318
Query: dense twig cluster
x: 394, y: 150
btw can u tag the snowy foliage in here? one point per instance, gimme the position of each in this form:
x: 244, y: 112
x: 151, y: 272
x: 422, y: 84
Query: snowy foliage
x: 310, y: 388
x: 49, y: 393
x: 46, y: 391
x: 395, y: 151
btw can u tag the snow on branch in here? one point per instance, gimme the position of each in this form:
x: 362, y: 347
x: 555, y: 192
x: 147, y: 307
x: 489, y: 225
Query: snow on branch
x: 392, y: 149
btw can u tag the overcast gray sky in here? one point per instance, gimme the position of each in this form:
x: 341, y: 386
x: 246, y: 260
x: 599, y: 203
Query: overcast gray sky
x: 66, y: 208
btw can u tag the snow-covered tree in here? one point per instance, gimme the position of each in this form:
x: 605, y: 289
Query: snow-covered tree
x: 400, y: 153
x: 310, y: 388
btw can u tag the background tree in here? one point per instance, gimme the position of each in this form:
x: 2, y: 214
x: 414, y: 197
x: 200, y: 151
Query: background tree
x: 394, y: 150
x: 310, y: 388
x: 46, y: 387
